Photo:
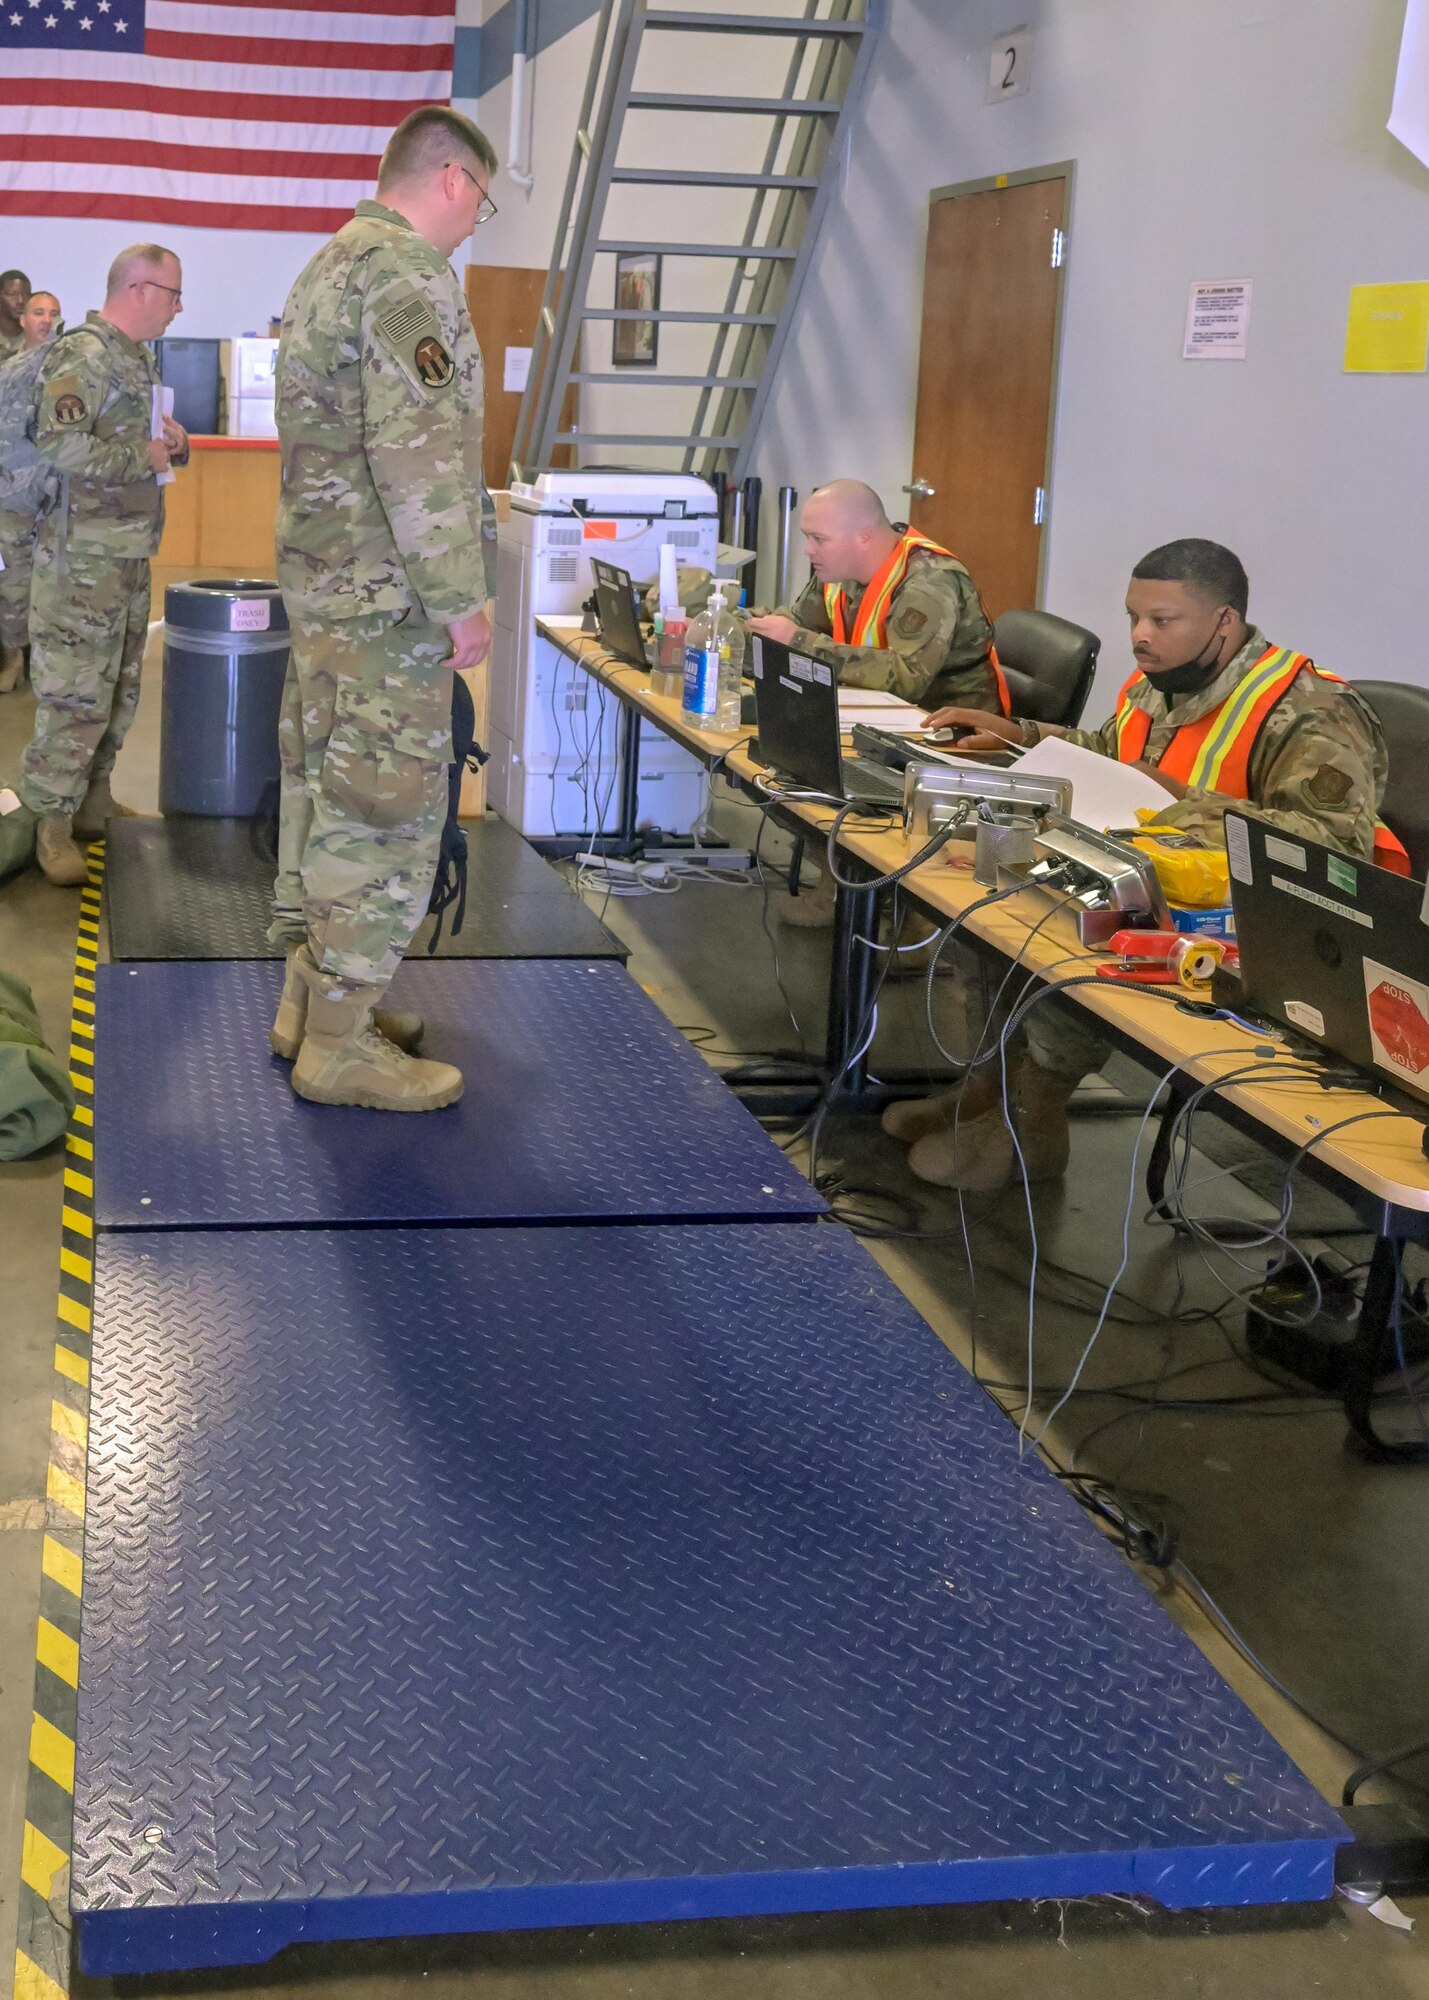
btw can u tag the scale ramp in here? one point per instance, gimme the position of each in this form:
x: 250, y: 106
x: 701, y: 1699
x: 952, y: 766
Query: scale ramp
x: 442, y: 1580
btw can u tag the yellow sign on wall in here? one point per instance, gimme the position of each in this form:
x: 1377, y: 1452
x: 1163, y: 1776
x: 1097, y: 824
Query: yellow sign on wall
x: 1388, y: 332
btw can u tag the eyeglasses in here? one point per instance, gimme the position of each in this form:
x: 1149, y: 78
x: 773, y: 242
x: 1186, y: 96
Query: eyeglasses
x: 488, y: 206
x: 173, y: 290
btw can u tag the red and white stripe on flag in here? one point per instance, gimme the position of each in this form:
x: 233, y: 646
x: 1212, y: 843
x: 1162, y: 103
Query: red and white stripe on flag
x: 236, y: 115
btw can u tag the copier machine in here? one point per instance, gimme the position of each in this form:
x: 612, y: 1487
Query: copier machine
x: 553, y: 732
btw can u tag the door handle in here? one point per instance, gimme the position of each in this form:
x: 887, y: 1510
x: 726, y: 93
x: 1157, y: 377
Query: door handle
x: 920, y: 489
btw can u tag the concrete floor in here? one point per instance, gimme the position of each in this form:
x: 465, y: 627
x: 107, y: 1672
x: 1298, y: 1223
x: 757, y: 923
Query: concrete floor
x: 1318, y: 1560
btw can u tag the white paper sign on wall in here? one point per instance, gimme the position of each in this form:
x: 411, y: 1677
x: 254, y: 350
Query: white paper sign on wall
x: 1218, y: 320
x: 1009, y: 72
x: 517, y: 368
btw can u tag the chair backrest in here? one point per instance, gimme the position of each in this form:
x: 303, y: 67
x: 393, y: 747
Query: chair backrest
x: 1403, y: 713
x: 1049, y: 664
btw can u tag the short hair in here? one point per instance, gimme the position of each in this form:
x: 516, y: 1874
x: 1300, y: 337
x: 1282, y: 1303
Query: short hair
x: 425, y: 141
x: 41, y: 294
x: 138, y: 257
x: 1205, y: 567
x: 6, y: 276
x: 857, y: 504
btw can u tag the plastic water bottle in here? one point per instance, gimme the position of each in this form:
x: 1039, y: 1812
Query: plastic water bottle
x: 714, y: 666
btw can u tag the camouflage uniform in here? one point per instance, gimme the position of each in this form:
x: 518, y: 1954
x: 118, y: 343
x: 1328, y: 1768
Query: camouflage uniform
x: 1317, y: 768
x: 939, y: 638
x: 11, y: 343
x: 384, y: 534
x: 28, y: 485
x: 89, y: 598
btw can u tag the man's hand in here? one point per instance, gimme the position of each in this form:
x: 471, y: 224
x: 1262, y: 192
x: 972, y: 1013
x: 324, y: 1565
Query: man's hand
x: 158, y: 455
x: 176, y: 438
x: 471, y: 642
x: 1173, y: 785
x: 776, y: 626
x: 986, y: 732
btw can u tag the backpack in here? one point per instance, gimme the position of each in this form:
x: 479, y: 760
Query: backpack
x: 467, y: 755
x: 24, y: 475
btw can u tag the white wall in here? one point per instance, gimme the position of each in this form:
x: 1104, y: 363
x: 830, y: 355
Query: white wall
x: 1219, y: 139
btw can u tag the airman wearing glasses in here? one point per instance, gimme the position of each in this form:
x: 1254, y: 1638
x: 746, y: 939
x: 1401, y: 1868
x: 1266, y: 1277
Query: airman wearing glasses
x: 385, y: 532
x: 89, y: 599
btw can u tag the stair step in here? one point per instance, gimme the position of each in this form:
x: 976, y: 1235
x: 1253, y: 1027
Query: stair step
x: 683, y: 318
x: 752, y: 24
x: 772, y: 107
x: 644, y: 437
x: 697, y: 177
x: 637, y: 378
x: 754, y: 252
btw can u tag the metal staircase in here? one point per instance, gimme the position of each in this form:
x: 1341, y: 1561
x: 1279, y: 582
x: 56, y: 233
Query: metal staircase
x: 801, y: 126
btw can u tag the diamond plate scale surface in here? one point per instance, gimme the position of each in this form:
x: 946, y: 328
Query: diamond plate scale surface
x: 185, y: 888
x: 438, y: 1580
x: 582, y: 1104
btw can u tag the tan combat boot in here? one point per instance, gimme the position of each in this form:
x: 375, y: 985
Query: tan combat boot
x: 916, y: 1117
x: 59, y: 858
x: 343, y: 1059
x: 977, y: 1156
x: 811, y: 909
x: 285, y: 1037
x: 12, y: 668
x: 99, y: 805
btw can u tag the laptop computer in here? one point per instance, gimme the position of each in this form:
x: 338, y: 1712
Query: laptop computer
x: 617, y: 610
x: 796, y: 706
x: 1333, y: 947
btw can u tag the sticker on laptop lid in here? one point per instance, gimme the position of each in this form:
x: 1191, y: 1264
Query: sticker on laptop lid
x: 800, y: 668
x: 1322, y: 902
x: 1238, y: 849
x: 824, y: 675
x: 1398, y: 1022
x: 1287, y: 854
x: 757, y: 658
x: 1305, y: 1016
x: 1341, y: 874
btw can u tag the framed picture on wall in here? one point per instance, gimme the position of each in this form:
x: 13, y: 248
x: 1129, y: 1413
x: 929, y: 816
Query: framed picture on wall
x: 636, y: 342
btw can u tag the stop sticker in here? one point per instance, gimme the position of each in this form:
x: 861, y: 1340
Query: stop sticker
x: 1398, y: 1020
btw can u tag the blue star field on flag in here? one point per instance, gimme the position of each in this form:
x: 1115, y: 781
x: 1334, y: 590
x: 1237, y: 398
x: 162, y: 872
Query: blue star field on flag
x: 106, y: 25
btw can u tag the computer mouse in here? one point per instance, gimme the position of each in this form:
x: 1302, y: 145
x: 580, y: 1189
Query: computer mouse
x: 953, y: 733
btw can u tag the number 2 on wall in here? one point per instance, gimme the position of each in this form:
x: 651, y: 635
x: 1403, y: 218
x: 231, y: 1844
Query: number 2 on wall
x: 1010, y: 69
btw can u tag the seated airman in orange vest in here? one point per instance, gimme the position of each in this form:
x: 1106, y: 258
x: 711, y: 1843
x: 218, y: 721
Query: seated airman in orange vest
x: 887, y: 608
x: 1219, y: 715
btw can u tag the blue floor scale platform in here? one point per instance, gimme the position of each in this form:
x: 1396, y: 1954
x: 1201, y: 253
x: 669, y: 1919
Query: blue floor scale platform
x: 455, y: 1580
x: 582, y: 1104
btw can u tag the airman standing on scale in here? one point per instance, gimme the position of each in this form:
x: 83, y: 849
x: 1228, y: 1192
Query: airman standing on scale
x: 383, y: 539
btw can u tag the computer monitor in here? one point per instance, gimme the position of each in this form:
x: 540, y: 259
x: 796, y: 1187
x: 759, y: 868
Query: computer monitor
x: 617, y: 608
x: 190, y: 369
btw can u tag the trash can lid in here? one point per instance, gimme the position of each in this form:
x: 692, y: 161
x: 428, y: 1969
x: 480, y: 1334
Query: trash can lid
x: 225, y: 604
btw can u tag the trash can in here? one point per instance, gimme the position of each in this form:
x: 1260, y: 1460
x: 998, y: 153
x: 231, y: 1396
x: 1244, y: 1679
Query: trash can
x: 225, y: 656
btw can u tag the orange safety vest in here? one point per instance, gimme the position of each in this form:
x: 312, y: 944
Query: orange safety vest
x: 1214, y: 754
x: 870, y: 626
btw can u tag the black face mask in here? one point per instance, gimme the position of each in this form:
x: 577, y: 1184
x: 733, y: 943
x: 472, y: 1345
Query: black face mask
x: 1193, y: 675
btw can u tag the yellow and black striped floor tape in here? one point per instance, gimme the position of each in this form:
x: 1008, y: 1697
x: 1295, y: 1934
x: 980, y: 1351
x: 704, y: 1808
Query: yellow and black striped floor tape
x: 42, y: 1950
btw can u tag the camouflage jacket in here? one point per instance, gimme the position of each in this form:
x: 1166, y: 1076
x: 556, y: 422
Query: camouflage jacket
x: 379, y: 420
x: 11, y: 343
x: 939, y: 638
x: 28, y: 482
x: 1317, y: 767
x: 95, y: 418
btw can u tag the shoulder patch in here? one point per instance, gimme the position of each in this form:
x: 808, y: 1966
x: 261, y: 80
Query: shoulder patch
x: 409, y: 327
x: 910, y: 622
x: 1330, y: 786
x: 67, y: 400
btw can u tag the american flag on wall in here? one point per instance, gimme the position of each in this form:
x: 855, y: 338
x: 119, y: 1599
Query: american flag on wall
x: 238, y: 115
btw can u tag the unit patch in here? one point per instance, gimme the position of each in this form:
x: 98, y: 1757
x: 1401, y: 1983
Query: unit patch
x: 434, y: 364
x: 410, y: 328
x: 69, y: 407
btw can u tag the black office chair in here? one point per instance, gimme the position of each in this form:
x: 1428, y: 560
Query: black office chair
x: 1049, y: 664
x: 1403, y: 713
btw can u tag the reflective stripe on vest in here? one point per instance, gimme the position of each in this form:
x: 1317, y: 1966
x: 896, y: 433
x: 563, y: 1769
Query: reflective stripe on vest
x: 870, y: 623
x: 1213, y: 755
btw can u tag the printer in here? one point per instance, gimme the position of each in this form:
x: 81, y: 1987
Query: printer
x: 552, y: 731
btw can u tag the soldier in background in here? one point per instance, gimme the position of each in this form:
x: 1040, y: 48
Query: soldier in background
x: 14, y: 290
x: 28, y: 483
x: 886, y: 608
x: 383, y: 530
x: 1218, y: 715
x: 89, y: 599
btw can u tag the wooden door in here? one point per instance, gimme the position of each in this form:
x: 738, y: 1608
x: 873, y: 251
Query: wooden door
x: 504, y: 302
x: 986, y: 376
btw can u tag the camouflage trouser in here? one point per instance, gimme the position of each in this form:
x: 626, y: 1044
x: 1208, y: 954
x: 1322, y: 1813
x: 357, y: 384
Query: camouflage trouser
x: 1064, y: 1040
x: 17, y: 552
x: 365, y: 741
x: 89, y: 618
x: 1058, y: 1035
